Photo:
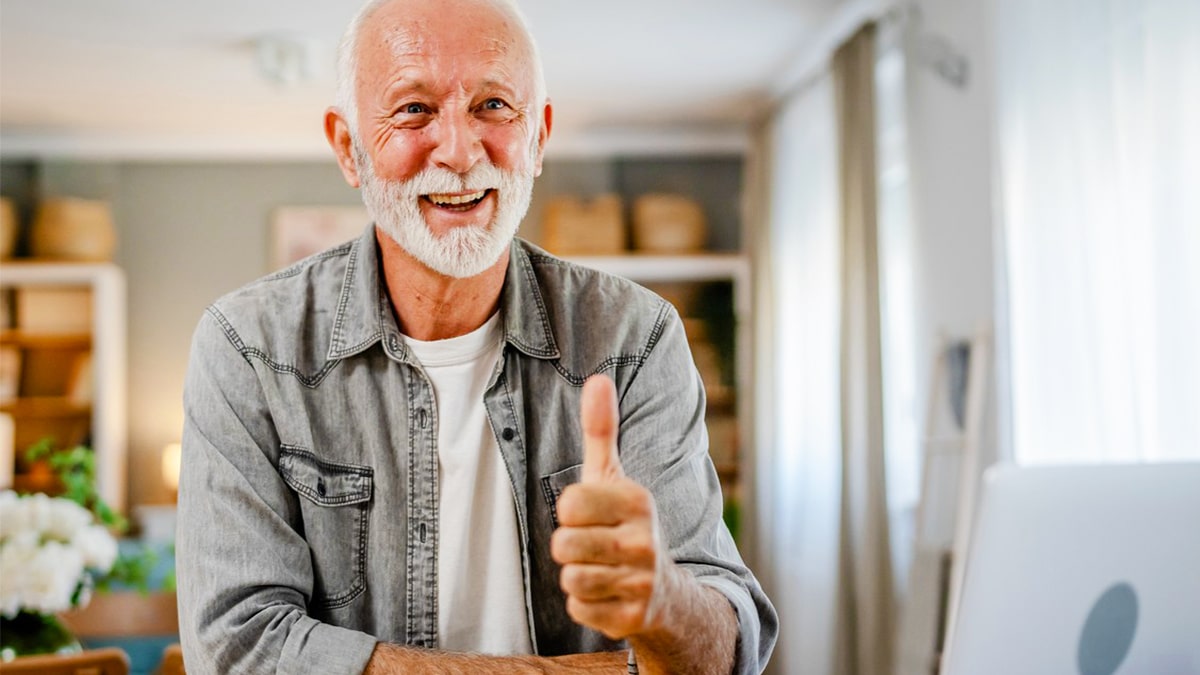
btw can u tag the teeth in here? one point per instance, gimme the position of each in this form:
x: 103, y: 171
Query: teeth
x: 457, y: 199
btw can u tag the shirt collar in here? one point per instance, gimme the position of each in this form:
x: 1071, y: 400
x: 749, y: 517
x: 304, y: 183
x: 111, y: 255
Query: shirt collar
x: 364, y: 314
x: 526, y: 322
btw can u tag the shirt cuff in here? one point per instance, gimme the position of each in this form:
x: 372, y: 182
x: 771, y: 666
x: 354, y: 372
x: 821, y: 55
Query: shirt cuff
x: 746, y: 656
x: 315, y: 647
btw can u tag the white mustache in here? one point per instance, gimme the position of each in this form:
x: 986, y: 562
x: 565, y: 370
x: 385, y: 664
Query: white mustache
x: 482, y: 176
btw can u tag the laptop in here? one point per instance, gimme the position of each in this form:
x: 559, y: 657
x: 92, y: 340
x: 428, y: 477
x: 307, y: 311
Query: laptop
x: 1082, y: 570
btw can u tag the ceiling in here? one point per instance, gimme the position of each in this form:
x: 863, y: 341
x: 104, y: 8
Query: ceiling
x: 162, y: 78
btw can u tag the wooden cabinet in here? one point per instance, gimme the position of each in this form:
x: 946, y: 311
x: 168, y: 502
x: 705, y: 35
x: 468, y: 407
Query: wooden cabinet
x: 62, y: 341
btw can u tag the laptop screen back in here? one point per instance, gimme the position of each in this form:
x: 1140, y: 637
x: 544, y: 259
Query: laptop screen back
x: 1088, y: 570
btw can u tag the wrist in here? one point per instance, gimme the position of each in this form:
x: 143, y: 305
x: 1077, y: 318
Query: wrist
x: 694, y: 629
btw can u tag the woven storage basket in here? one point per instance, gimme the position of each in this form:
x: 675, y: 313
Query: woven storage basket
x: 668, y: 223
x: 73, y: 229
x: 571, y: 226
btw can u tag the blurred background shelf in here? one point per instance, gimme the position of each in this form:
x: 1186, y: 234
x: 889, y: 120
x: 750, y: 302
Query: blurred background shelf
x: 695, y: 259
x: 63, y: 336
x: 644, y: 267
x: 23, y: 338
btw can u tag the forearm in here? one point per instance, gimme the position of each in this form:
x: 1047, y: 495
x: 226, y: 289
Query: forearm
x: 388, y: 659
x: 696, y: 630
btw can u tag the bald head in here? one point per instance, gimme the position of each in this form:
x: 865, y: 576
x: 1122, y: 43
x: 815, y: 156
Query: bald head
x: 511, y: 30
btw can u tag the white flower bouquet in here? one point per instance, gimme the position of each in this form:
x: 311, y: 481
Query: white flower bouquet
x: 51, y: 551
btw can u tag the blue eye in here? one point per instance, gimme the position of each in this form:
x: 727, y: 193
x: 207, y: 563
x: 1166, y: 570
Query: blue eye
x: 494, y: 104
x: 414, y: 109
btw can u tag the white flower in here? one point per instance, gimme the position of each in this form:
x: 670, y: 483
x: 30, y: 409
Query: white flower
x: 49, y: 547
x: 65, y: 519
x: 97, y: 546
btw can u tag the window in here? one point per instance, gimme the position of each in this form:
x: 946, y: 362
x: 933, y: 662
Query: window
x: 1097, y: 103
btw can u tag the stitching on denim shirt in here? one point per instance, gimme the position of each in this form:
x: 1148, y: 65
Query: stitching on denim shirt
x: 344, y: 298
x: 372, y: 338
x: 410, y: 618
x: 310, y: 381
x: 610, y: 363
x: 512, y: 411
x: 296, y: 267
x: 551, y: 499
x: 538, y: 257
x: 660, y: 325
x: 330, y: 467
x: 361, y: 500
x: 227, y: 328
x: 531, y: 279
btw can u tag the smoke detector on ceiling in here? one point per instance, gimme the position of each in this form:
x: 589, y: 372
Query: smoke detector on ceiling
x: 285, y: 59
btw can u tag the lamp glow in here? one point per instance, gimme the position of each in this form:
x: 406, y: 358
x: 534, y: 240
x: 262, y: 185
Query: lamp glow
x: 170, y: 466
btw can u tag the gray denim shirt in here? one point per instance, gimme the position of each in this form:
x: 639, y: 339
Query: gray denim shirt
x: 308, y: 496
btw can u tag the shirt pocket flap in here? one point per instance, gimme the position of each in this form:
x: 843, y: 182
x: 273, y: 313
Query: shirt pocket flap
x: 554, y: 484
x: 324, y: 483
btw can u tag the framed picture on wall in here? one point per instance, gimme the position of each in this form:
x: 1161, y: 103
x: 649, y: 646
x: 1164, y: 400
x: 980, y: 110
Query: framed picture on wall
x: 300, y: 231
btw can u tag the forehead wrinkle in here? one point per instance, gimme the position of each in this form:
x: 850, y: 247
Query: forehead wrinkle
x: 496, y: 53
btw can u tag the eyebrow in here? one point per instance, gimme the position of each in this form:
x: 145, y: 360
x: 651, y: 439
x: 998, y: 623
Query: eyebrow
x: 403, y: 85
x: 499, y: 85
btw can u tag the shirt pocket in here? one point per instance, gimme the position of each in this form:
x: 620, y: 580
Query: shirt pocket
x: 334, y: 502
x: 554, y: 484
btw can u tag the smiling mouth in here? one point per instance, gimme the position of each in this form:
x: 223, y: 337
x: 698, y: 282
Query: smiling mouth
x: 457, y: 203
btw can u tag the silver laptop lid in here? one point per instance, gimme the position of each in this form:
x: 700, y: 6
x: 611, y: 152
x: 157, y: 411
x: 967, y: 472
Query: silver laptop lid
x: 1089, y: 570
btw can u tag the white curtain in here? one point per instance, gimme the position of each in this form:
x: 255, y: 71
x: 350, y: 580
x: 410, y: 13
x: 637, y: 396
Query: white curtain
x: 866, y: 602
x: 1098, y: 113
x: 798, y: 412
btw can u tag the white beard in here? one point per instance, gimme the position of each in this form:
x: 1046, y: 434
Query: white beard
x: 463, y: 251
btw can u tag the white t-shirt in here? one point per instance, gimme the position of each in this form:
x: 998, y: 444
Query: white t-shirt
x: 481, y: 590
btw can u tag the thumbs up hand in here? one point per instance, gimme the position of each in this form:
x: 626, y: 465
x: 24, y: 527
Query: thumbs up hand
x: 601, y: 422
x: 615, y: 567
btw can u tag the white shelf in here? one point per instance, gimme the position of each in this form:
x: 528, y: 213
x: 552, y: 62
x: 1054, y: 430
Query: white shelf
x: 660, y: 268
x: 108, y: 428
x: 649, y: 269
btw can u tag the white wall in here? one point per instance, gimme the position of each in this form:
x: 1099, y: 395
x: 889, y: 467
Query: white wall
x: 951, y: 164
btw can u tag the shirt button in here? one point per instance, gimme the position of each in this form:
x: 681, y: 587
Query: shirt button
x: 422, y: 418
x: 394, y: 342
x: 507, y: 434
x: 321, y: 487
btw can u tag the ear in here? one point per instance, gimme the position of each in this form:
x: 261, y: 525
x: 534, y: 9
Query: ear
x: 543, y: 135
x: 337, y: 132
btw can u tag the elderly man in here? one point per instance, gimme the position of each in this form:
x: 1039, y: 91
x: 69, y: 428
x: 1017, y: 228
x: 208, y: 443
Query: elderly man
x: 437, y: 448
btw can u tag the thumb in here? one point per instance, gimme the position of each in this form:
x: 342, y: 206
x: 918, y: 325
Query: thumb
x: 598, y: 413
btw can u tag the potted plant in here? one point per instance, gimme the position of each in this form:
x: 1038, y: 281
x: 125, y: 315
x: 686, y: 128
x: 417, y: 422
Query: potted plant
x: 55, y: 550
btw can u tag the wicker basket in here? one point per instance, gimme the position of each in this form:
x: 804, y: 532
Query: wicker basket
x: 73, y: 229
x: 668, y: 223
x: 571, y: 226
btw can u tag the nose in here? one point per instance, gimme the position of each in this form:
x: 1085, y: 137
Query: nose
x: 458, y: 145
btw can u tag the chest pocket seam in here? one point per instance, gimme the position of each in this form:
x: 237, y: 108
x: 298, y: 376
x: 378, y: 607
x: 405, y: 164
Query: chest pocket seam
x: 339, y: 491
x: 554, y: 484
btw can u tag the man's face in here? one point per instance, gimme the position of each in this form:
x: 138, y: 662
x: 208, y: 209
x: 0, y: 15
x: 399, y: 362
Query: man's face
x: 450, y: 134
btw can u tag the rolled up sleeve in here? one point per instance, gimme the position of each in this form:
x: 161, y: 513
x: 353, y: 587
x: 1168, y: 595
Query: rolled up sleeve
x: 664, y: 446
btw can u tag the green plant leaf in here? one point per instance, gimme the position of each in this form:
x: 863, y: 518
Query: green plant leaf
x: 75, y: 468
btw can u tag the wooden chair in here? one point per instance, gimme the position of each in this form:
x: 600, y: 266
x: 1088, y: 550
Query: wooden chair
x: 125, y: 613
x: 107, y: 661
x: 140, y: 623
x: 172, y: 661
